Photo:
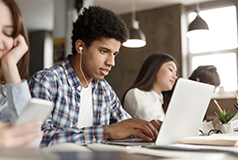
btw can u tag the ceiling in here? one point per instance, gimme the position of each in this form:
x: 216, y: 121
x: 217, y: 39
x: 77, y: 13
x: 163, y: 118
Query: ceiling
x: 39, y: 14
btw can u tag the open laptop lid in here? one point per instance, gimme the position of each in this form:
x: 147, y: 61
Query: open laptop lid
x: 185, y: 112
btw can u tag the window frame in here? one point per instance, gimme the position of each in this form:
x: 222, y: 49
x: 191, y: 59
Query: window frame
x: 188, y: 60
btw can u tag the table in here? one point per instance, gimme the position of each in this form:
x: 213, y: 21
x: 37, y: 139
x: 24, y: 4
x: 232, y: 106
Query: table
x: 70, y: 151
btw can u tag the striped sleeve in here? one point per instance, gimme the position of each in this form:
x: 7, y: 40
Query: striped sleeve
x: 54, y: 132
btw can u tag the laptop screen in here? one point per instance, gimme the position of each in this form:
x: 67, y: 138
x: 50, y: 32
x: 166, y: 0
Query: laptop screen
x: 185, y: 112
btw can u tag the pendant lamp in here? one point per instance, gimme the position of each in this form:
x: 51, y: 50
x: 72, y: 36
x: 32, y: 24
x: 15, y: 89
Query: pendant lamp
x: 137, y: 37
x: 198, y: 27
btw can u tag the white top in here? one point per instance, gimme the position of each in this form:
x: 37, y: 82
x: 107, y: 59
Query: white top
x: 85, y: 117
x: 145, y: 105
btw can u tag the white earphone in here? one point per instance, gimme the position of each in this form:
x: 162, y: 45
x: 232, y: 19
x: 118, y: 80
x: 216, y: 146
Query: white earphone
x: 80, y: 65
x: 80, y: 49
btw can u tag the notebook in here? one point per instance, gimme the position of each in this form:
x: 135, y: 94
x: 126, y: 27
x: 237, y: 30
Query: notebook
x: 184, y: 115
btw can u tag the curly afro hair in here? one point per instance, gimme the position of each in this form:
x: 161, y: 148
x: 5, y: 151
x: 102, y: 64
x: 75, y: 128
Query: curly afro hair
x: 95, y: 23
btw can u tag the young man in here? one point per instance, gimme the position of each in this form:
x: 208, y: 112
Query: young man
x: 86, y: 107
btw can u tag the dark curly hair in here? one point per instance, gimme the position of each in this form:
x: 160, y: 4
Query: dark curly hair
x: 95, y: 23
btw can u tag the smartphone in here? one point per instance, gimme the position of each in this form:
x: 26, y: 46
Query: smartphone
x: 36, y: 109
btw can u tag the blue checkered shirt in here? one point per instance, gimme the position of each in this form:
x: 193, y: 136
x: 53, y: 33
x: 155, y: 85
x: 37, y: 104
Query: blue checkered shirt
x: 61, y: 85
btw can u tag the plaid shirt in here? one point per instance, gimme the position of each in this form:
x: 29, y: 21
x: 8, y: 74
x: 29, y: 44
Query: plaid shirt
x: 60, y: 84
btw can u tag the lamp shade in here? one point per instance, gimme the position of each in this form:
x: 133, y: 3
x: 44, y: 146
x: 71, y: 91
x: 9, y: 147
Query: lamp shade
x: 198, y: 26
x: 137, y: 39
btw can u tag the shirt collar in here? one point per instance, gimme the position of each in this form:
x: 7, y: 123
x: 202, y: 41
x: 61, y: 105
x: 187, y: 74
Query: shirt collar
x: 71, y: 76
x: 155, y: 96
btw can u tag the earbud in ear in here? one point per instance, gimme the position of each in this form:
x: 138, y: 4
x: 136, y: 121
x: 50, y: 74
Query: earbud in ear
x: 81, y: 49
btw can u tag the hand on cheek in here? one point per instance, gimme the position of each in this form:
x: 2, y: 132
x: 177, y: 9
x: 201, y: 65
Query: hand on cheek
x: 10, y: 59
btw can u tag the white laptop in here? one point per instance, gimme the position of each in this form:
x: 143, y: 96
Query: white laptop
x: 184, y: 115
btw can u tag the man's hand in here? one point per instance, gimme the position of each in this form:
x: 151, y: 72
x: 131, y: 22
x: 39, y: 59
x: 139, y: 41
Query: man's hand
x: 156, y: 123
x: 133, y: 127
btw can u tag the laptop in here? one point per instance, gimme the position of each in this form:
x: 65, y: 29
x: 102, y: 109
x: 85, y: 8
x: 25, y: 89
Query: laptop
x: 184, y: 115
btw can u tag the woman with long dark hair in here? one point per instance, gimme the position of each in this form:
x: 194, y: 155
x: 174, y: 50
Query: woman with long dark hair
x: 145, y: 99
x: 14, y: 90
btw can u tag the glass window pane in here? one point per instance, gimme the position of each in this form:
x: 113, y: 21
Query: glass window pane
x: 223, y: 30
x: 226, y: 67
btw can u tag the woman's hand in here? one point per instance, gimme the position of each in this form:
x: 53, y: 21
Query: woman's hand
x: 16, y: 136
x: 10, y: 59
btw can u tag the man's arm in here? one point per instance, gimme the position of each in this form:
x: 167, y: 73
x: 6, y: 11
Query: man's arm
x: 56, y: 134
x: 60, y: 126
x: 123, y: 126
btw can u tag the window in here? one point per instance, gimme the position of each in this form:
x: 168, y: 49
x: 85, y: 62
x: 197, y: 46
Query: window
x: 219, y: 47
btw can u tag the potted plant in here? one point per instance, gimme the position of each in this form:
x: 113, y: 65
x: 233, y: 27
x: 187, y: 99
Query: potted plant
x: 224, y: 118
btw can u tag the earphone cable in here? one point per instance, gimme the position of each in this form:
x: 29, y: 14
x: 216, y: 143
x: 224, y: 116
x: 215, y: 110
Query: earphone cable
x: 80, y: 66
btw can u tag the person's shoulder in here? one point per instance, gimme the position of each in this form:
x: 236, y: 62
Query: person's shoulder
x: 135, y: 91
x: 102, y: 83
x: 49, y: 72
x: 132, y: 93
x: 55, y: 71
